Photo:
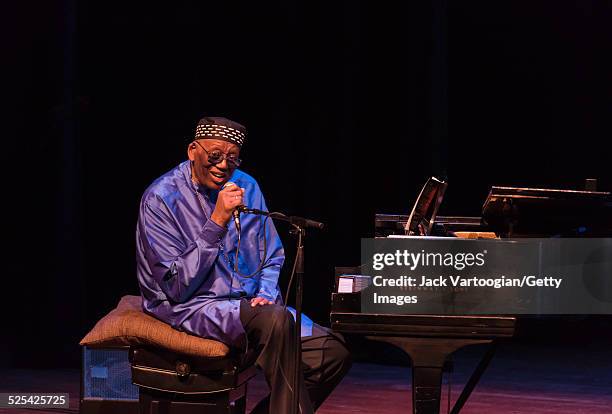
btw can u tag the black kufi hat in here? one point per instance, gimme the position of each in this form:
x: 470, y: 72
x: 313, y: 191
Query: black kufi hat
x: 215, y: 127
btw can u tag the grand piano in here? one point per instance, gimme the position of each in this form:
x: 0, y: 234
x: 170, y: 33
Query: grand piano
x: 429, y: 340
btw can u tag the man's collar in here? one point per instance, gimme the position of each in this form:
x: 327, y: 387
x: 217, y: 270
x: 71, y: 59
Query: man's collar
x: 194, y: 186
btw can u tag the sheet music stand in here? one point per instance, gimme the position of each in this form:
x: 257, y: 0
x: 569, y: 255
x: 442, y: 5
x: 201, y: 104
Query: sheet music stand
x: 425, y: 208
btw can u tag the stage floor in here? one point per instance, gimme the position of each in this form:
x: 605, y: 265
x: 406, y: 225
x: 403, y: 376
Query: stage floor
x: 521, y: 379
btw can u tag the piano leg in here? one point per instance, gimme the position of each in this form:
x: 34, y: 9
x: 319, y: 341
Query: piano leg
x: 426, y: 389
x: 474, y: 378
x: 428, y: 356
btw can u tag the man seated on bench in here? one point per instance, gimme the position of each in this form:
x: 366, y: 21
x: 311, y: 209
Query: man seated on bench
x: 185, y: 257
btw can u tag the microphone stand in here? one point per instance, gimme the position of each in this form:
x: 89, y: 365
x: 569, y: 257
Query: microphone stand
x: 299, y: 225
x: 299, y: 284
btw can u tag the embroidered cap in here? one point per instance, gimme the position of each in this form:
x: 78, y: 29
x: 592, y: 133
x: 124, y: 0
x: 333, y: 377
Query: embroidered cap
x: 215, y: 127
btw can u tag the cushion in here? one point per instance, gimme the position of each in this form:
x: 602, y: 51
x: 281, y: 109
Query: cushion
x: 128, y: 325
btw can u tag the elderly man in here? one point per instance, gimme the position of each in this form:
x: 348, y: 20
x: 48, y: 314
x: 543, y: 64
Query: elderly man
x: 186, y: 245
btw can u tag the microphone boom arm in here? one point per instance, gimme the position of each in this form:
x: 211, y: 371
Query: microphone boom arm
x: 295, y: 220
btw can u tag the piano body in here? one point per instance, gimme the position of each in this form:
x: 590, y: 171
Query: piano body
x: 429, y: 340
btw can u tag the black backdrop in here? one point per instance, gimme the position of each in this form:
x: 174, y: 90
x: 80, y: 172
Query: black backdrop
x: 350, y: 106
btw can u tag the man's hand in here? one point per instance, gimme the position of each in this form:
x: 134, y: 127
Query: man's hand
x: 229, y: 198
x: 260, y: 301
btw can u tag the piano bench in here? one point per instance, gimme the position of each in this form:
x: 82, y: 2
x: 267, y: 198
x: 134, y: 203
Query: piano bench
x: 172, y: 383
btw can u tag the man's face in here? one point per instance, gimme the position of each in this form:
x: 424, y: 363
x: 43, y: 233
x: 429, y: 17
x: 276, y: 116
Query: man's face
x: 210, y: 175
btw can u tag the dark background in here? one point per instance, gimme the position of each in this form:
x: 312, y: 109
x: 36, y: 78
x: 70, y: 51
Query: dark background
x: 350, y: 107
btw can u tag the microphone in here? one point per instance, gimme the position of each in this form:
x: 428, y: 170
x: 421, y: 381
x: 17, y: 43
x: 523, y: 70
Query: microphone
x: 237, y: 210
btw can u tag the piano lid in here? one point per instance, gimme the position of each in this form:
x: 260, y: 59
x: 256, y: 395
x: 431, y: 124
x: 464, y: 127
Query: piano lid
x: 519, y: 212
x: 545, y: 212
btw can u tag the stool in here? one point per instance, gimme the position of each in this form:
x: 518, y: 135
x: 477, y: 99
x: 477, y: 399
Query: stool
x: 172, y: 383
x: 175, y: 372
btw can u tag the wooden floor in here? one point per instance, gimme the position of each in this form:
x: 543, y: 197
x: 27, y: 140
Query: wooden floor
x: 520, y: 379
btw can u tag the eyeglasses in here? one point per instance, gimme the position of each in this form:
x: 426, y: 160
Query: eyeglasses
x: 216, y: 156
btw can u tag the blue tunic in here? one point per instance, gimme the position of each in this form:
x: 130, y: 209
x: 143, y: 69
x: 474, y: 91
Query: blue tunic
x: 185, y: 260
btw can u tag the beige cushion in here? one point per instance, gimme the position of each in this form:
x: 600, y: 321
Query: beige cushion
x: 128, y: 325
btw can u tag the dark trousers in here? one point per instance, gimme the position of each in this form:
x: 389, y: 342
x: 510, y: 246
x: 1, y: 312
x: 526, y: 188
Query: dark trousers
x: 325, y: 359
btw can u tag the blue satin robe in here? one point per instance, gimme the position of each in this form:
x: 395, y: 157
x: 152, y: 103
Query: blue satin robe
x: 185, y: 278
